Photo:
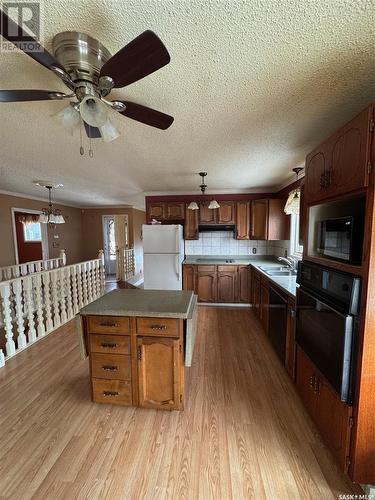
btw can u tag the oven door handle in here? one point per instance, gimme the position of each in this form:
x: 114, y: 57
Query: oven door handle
x: 301, y: 290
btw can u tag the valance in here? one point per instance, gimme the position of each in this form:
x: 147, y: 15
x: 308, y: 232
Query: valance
x: 29, y: 218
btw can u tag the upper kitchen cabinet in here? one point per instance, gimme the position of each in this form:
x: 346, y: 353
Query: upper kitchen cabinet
x: 268, y: 220
x: 206, y: 215
x: 191, y: 228
x: 243, y: 220
x: 166, y: 211
x: 341, y: 164
x: 226, y: 213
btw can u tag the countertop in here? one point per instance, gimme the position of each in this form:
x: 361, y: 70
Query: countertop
x: 146, y: 303
x: 288, y: 284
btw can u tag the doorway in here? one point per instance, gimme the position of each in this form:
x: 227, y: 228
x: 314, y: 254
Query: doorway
x: 115, y: 236
x: 30, y: 236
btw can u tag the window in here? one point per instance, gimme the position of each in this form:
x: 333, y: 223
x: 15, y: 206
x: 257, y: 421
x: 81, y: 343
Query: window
x: 295, y: 248
x: 32, y: 232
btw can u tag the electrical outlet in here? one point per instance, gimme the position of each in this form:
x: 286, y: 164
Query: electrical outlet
x: 254, y: 250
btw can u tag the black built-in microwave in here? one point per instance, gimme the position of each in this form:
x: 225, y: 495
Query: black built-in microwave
x: 341, y: 239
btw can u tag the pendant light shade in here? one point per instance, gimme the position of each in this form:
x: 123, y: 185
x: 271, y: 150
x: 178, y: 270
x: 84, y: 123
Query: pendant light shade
x: 213, y: 204
x: 93, y: 111
x: 193, y: 205
x: 68, y: 117
x: 293, y: 202
x: 109, y: 132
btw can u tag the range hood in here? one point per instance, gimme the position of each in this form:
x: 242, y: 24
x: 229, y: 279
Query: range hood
x: 216, y: 227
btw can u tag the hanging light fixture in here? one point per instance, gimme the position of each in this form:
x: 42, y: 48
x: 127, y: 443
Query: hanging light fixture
x: 193, y: 205
x: 292, y: 205
x: 50, y: 215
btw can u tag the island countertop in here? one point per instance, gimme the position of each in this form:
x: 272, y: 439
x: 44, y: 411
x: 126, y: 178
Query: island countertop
x: 145, y: 303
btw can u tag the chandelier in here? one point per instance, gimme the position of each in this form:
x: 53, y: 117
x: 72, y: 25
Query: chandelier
x: 50, y: 215
x: 193, y: 205
x: 292, y: 205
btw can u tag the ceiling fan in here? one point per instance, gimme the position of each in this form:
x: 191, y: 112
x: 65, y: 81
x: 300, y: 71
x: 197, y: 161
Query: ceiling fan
x: 90, y: 72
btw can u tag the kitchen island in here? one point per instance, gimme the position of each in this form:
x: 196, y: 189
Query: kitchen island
x: 139, y: 342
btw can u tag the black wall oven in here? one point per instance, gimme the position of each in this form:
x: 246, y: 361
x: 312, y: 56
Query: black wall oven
x: 327, y: 323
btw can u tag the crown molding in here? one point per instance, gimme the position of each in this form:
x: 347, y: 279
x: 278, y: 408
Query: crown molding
x: 36, y: 198
x: 212, y: 192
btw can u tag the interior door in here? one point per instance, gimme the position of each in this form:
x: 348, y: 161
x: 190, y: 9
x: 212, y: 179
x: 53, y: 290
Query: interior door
x: 110, y: 254
x: 29, y: 239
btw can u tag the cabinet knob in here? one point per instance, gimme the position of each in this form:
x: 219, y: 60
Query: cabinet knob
x: 110, y: 368
x: 110, y: 394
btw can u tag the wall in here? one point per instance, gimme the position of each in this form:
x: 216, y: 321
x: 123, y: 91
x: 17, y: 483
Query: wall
x: 69, y: 234
x: 223, y: 243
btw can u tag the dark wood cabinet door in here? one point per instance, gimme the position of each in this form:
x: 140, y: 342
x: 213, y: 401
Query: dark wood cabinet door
x: 189, y: 272
x: 348, y: 165
x: 191, y: 229
x: 226, y: 212
x: 207, y: 215
x: 315, y: 167
x: 259, y: 219
x: 243, y: 220
x: 278, y: 221
x: 302, y: 216
x: 226, y: 284
x: 157, y: 211
x: 206, y: 286
x: 243, y: 285
x: 175, y: 211
x: 333, y: 421
x: 306, y: 380
x: 264, y: 305
x: 159, y: 372
x: 290, y: 358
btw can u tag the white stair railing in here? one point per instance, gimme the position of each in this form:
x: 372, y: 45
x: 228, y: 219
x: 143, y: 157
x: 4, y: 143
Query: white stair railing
x: 34, y: 305
x: 125, y: 263
x: 36, y: 266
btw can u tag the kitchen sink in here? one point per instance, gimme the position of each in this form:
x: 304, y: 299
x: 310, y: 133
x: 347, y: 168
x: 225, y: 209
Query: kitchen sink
x: 273, y: 268
x: 282, y: 273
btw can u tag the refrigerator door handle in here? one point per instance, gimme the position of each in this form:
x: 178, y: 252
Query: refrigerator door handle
x: 177, y: 239
x: 178, y: 267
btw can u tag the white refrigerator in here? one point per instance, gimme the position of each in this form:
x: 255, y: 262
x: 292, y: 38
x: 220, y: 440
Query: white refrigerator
x: 163, y: 253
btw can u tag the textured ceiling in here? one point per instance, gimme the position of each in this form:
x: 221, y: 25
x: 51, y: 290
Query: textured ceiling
x: 253, y: 86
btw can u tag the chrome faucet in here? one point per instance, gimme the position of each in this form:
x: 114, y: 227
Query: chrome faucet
x: 289, y: 261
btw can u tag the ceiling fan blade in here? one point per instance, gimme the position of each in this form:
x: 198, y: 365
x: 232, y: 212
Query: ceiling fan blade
x: 147, y: 115
x: 139, y: 58
x: 12, y: 32
x: 30, y: 95
x: 92, y: 132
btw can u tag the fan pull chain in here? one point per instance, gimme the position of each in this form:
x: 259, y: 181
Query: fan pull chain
x: 81, y: 149
x: 91, y: 152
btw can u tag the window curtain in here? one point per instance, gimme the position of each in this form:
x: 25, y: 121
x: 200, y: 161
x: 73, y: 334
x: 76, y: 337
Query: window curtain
x: 29, y: 218
x: 293, y: 202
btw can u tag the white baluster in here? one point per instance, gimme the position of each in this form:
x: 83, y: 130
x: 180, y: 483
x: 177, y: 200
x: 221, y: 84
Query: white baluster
x: 37, y: 285
x: 80, y: 285
x: 102, y: 272
x: 46, y: 277
x: 55, y: 299
x: 89, y: 282
x: 9, y: 273
x: 63, y: 292
x: 23, y: 269
x: 28, y: 287
x: 2, y: 358
x: 73, y: 272
x: 84, y: 281
x: 10, y: 346
x: 38, y: 266
x: 63, y: 257
x: 18, y: 292
x: 68, y: 291
x: 96, y: 278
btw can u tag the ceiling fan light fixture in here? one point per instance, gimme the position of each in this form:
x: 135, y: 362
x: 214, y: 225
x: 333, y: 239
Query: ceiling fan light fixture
x: 213, y: 204
x: 68, y: 117
x: 109, y: 132
x: 93, y: 111
x: 43, y: 218
x: 193, y: 205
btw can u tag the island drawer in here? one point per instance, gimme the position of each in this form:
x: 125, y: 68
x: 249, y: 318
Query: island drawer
x: 110, y: 344
x: 111, y: 366
x: 112, y: 391
x: 162, y: 327
x: 108, y: 324
x: 206, y: 269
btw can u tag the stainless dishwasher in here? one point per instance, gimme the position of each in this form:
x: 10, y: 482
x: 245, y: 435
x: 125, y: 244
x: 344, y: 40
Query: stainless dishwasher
x: 277, y: 322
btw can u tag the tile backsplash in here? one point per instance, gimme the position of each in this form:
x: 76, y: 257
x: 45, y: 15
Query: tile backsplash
x: 223, y: 243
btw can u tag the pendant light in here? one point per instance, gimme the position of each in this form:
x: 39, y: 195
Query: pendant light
x: 193, y: 205
x: 50, y: 215
x: 292, y: 205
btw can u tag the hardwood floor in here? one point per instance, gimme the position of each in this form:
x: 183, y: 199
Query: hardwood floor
x: 244, y: 433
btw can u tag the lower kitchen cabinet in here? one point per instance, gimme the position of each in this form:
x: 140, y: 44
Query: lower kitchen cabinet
x: 226, y: 283
x: 330, y: 414
x: 256, y: 293
x: 207, y: 284
x: 159, y: 372
x: 264, y: 304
